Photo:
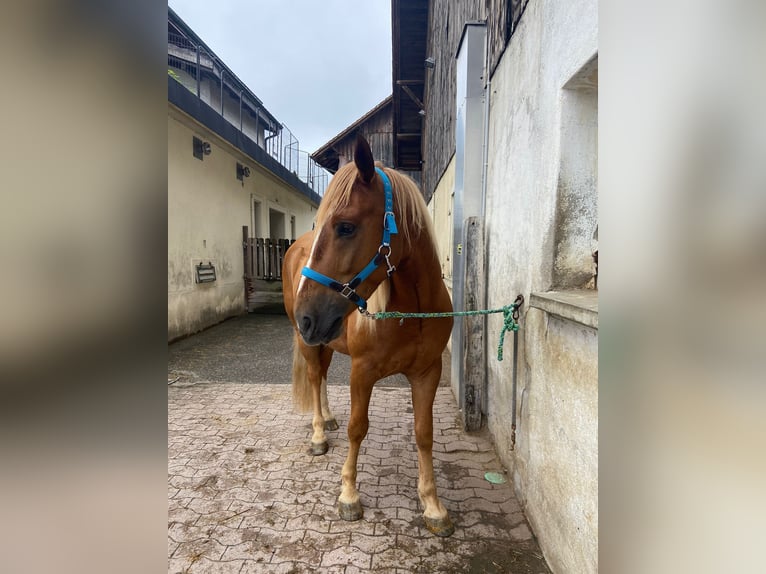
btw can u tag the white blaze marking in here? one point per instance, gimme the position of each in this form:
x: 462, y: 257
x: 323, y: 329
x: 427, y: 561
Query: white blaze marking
x: 303, y: 278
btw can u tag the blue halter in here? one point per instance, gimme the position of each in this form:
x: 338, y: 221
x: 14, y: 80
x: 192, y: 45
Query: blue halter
x: 384, y: 252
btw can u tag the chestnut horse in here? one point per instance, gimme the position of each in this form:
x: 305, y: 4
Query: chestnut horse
x: 372, y: 240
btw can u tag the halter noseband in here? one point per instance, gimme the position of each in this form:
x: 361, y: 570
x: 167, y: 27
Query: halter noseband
x: 384, y: 252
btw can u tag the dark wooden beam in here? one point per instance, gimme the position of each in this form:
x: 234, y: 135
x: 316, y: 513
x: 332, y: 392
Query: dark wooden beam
x: 412, y: 95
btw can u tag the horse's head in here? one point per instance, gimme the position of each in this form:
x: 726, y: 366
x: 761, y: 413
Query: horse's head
x: 344, y: 267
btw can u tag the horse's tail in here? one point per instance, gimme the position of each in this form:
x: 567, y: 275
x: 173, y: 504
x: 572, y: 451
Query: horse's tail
x: 302, y: 393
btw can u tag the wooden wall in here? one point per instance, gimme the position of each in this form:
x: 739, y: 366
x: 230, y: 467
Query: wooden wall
x: 445, y: 27
x: 378, y: 130
x: 379, y: 133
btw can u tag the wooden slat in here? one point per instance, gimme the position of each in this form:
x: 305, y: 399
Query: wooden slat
x: 412, y: 96
x: 474, y: 357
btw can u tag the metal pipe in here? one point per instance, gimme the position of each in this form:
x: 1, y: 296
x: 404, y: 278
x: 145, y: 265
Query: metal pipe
x: 513, y: 388
x: 518, y: 302
x: 484, y: 169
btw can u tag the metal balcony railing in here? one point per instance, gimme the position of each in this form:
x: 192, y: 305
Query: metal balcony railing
x: 206, y: 76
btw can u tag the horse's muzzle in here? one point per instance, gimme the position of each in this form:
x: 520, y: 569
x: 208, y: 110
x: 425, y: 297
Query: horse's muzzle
x: 319, y: 328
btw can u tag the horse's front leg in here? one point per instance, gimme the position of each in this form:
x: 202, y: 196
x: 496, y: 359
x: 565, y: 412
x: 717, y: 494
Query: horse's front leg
x: 318, y: 363
x: 423, y: 392
x: 330, y: 422
x: 349, y: 506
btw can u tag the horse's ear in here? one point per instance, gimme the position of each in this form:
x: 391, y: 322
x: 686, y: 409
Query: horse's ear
x: 363, y: 159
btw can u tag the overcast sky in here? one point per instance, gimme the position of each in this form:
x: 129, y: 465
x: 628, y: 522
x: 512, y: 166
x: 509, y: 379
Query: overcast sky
x: 318, y: 66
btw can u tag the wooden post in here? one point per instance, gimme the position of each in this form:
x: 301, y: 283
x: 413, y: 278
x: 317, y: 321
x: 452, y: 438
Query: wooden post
x: 474, y: 359
x: 245, y: 266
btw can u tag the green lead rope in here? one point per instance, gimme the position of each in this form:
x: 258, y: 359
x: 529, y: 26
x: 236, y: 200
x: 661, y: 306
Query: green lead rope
x: 509, y: 322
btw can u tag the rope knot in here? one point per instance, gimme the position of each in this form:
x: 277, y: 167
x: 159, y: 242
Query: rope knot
x: 509, y: 324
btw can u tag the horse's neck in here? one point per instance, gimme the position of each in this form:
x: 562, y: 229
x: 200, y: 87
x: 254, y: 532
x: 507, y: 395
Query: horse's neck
x: 419, y: 273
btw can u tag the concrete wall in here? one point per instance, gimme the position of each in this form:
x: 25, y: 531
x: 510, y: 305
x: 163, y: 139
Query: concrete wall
x: 557, y: 464
x: 207, y: 207
x: 557, y: 383
x: 440, y: 207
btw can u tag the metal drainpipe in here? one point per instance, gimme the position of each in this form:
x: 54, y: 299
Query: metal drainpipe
x: 513, y: 389
x: 484, y: 167
x: 520, y: 299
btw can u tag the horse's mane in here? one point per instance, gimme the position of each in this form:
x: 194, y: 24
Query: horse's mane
x: 412, y: 217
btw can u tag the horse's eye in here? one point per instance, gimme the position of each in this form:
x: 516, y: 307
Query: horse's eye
x: 345, y: 229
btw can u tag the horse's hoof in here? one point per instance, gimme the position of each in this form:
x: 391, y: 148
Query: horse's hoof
x: 440, y: 526
x: 350, y: 512
x: 330, y: 424
x: 318, y: 449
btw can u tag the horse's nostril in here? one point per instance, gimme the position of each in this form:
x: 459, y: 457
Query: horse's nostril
x: 306, y: 323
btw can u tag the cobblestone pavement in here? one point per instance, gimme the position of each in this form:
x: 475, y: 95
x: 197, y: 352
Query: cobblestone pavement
x: 245, y: 495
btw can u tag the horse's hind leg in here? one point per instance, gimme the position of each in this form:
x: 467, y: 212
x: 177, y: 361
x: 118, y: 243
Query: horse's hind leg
x: 349, y: 506
x: 423, y: 392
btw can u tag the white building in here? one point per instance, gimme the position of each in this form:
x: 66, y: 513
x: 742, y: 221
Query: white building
x: 235, y: 176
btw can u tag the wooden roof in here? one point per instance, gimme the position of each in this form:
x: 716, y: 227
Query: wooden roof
x: 409, y: 27
x: 327, y: 155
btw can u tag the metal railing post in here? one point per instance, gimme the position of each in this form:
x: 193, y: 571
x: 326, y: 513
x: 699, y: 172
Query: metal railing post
x: 258, y: 122
x: 198, y: 74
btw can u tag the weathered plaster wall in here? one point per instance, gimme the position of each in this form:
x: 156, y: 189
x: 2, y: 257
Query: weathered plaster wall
x: 207, y: 207
x: 440, y: 208
x: 557, y: 468
x: 554, y: 41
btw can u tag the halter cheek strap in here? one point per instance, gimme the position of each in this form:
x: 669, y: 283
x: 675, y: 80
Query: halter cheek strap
x: 384, y: 252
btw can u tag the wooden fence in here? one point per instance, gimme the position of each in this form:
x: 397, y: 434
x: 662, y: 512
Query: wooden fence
x: 263, y: 257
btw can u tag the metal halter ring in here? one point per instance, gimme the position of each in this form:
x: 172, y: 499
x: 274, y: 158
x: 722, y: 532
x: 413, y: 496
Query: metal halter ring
x: 391, y: 268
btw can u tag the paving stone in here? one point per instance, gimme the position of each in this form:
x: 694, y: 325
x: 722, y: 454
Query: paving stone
x: 198, y: 548
x: 372, y: 544
x: 521, y: 532
x: 345, y: 556
x: 363, y: 526
x: 244, y: 496
x: 393, y: 557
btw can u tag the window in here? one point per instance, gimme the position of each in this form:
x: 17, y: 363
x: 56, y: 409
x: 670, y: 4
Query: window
x: 577, y: 202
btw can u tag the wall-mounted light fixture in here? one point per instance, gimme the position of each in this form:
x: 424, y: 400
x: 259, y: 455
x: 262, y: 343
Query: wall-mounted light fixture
x: 430, y: 63
x: 422, y: 113
x: 200, y: 148
x: 242, y: 172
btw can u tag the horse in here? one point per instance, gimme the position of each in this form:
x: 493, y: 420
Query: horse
x: 372, y: 240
